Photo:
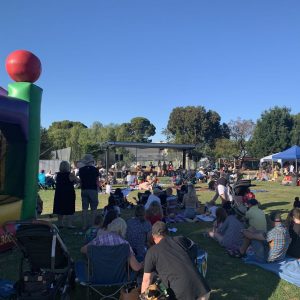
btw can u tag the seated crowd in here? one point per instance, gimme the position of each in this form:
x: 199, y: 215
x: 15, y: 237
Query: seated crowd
x: 248, y: 234
x: 154, y: 252
x: 151, y: 249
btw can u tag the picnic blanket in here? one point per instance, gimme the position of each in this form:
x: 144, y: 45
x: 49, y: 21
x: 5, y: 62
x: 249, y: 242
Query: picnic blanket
x: 176, y: 219
x: 6, y: 288
x: 287, y: 269
x: 205, y: 218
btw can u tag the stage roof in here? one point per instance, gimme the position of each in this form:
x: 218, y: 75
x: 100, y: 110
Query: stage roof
x: 149, y: 145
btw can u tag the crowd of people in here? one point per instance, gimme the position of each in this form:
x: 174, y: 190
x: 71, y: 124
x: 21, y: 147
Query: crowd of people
x: 152, y: 250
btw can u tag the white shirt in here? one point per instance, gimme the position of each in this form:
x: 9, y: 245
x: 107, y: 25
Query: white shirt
x: 152, y: 198
x: 130, y: 179
x: 223, y: 190
x: 291, y: 168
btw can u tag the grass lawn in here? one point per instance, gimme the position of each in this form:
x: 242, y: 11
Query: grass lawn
x: 228, y: 277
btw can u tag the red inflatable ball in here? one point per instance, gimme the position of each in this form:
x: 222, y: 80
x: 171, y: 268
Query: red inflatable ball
x: 23, y: 66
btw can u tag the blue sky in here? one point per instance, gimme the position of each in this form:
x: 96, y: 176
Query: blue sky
x: 110, y: 61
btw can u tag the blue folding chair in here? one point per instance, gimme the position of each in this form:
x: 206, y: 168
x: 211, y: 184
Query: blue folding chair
x: 107, y: 267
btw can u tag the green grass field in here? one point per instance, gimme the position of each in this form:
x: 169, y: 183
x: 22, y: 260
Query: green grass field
x: 228, y: 277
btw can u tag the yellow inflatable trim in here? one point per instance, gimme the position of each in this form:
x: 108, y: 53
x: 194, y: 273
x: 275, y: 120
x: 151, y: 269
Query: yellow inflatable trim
x: 10, y: 211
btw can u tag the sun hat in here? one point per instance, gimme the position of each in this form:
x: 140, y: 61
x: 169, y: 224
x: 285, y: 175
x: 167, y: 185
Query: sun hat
x: 159, y: 228
x: 88, y: 160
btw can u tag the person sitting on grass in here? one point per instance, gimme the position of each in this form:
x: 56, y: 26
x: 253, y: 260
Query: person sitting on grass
x: 229, y: 234
x: 190, y: 202
x: 113, y: 236
x: 154, y: 213
x: 153, y: 198
x: 293, y: 225
x: 91, y: 233
x: 255, y: 216
x: 112, y: 205
x: 221, y: 216
x: 138, y: 232
x: 171, y: 202
x: 268, y: 247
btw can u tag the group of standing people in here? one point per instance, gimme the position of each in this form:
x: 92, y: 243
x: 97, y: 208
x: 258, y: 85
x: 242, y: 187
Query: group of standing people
x: 64, y: 198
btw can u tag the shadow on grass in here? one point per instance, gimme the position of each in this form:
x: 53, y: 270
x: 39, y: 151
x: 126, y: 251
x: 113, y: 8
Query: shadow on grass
x: 273, y: 204
x: 230, y: 278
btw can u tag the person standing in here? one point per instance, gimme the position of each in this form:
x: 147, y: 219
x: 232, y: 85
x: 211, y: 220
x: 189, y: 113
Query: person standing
x: 89, y: 178
x: 64, y: 197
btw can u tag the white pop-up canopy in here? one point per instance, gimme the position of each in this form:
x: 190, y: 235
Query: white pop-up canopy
x: 270, y: 158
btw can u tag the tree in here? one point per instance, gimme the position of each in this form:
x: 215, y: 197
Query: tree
x: 195, y: 125
x: 59, y: 131
x: 138, y: 130
x: 226, y: 148
x: 240, y: 132
x: 295, y: 133
x: 46, y: 145
x: 74, y: 141
x: 272, y: 132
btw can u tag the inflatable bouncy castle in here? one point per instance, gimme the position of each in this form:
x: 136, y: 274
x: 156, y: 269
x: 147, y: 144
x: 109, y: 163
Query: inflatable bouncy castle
x: 20, y: 109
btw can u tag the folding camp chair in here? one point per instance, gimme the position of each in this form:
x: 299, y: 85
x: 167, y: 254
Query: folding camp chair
x: 107, y: 267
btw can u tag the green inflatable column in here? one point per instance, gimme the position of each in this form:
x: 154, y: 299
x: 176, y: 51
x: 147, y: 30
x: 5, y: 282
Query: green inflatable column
x: 33, y: 95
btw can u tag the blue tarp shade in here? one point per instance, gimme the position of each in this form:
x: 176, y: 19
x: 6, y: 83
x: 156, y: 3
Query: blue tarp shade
x: 292, y: 153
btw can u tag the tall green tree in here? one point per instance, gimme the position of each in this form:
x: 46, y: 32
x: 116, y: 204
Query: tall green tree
x: 139, y: 129
x: 46, y: 145
x: 272, y: 132
x: 195, y: 125
x: 58, y: 132
x: 226, y: 148
x: 295, y: 134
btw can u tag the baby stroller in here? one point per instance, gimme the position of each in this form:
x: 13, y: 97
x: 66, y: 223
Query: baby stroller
x: 237, y: 192
x: 46, y: 269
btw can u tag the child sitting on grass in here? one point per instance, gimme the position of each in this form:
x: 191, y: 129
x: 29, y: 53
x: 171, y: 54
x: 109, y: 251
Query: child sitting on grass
x: 91, y: 233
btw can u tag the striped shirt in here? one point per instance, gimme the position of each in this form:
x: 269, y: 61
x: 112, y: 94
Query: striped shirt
x: 109, y: 239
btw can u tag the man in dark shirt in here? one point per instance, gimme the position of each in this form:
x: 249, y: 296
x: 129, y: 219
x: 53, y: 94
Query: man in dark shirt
x: 170, y: 260
x: 89, y: 180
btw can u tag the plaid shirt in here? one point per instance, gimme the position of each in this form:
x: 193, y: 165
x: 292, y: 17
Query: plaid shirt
x: 109, y: 239
x: 279, y: 240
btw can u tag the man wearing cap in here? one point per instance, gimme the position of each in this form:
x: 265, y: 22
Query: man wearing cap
x: 170, y: 260
x: 274, y: 243
x: 89, y: 181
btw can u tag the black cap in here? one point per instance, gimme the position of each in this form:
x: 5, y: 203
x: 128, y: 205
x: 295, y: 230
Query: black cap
x: 159, y: 228
x: 252, y: 202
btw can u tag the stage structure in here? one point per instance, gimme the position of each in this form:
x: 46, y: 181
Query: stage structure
x: 107, y: 146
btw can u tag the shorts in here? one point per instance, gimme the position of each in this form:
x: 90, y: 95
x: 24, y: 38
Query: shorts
x: 89, y: 198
